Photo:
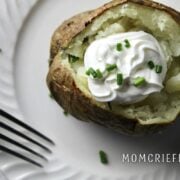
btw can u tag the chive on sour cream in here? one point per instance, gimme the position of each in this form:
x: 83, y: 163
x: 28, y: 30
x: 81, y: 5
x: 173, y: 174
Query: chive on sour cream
x: 125, y: 68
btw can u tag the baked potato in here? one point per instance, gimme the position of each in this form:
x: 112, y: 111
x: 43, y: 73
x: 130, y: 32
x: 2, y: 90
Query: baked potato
x: 69, y: 86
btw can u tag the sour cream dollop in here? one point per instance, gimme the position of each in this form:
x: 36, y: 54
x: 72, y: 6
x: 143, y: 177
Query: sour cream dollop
x: 136, y: 55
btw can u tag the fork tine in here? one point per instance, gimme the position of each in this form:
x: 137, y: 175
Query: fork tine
x: 14, y: 153
x: 5, y: 126
x: 20, y: 123
x: 5, y: 138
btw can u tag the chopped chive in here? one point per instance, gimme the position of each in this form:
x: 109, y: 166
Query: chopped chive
x: 119, y: 79
x: 158, y: 69
x: 139, y: 81
x: 103, y: 157
x: 119, y: 47
x: 65, y: 113
x: 111, y: 67
x: 92, y: 72
x: 88, y: 72
x: 151, y: 65
x: 99, y: 74
x: 73, y: 59
x: 127, y: 43
x: 96, y: 74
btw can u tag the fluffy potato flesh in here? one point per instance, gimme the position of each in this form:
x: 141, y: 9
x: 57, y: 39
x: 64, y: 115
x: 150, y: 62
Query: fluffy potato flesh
x: 157, y: 108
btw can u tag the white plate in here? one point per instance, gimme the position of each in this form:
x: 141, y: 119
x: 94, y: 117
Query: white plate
x: 23, y: 92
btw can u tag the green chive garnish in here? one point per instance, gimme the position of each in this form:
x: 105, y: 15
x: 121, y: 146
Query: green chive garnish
x: 95, y: 74
x: 158, y: 69
x: 88, y: 72
x: 151, y: 65
x: 99, y: 74
x: 65, y: 113
x: 119, y: 79
x: 73, y: 59
x: 139, y: 81
x: 127, y: 43
x: 103, y: 157
x: 92, y: 72
x: 119, y: 47
x: 111, y: 67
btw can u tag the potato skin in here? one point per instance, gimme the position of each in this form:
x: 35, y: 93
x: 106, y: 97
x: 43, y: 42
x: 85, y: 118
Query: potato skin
x: 73, y: 26
x: 62, y: 84
x: 70, y: 97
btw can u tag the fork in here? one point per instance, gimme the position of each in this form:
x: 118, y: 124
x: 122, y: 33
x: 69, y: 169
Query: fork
x: 28, y: 128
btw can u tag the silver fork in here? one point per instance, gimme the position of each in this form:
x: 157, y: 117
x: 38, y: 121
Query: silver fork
x: 21, y: 124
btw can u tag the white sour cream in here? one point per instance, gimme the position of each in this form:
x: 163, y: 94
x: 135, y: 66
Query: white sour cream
x: 131, y: 62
